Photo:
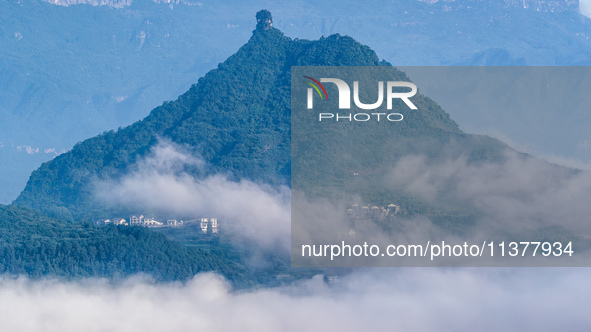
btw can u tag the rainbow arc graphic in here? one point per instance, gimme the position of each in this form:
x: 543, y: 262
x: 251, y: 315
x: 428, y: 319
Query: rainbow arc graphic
x: 316, y: 87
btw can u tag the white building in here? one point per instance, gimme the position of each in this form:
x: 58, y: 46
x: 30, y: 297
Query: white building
x: 174, y: 223
x: 119, y: 221
x: 136, y: 221
x: 103, y: 222
x: 393, y: 209
x: 204, y: 222
x: 214, y: 225
x: 143, y: 221
x: 151, y: 222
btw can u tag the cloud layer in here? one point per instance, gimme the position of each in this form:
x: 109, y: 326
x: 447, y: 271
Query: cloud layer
x: 160, y: 182
x: 372, y: 300
x: 520, y: 193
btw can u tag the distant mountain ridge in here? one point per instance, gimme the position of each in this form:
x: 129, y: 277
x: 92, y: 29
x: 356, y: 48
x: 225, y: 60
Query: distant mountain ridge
x: 116, y: 3
x: 539, y: 5
x: 109, y: 3
x: 492, y: 57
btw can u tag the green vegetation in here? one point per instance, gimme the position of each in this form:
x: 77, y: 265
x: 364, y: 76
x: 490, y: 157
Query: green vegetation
x: 238, y: 119
x: 37, y: 245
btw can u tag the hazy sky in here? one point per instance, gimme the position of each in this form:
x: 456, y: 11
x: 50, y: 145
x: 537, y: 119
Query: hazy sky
x: 585, y: 6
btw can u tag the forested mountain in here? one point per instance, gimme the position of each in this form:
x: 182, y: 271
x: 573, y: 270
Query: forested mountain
x: 237, y: 118
x: 69, y: 73
x: 35, y: 245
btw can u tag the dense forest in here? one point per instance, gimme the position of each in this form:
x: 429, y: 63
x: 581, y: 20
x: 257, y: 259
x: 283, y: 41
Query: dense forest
x: 37, y: 245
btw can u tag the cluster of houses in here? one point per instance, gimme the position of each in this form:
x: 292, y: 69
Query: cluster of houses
x: 365, y: 212
x: 362, y: 214
x: 204, y: 223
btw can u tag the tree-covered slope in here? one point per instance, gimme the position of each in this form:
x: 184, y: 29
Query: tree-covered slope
x: 237, y: 117
x: 37, y: 245
x: 69, y: 73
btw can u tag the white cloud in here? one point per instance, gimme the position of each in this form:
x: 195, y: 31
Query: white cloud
x: 372, y: 300
x: 258, y: 212
x: 518, y: 193
x: 408, y: 299
x: 28, y: 149
x: 517, y: 196
x: 536, y: 151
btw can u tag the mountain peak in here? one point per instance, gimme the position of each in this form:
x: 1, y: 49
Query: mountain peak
x: 264, y: 20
